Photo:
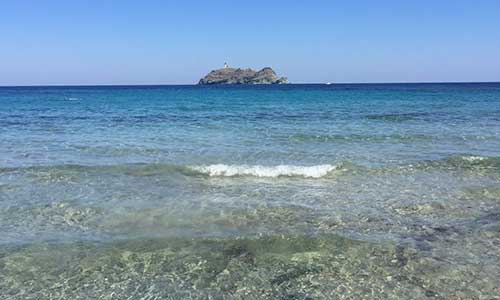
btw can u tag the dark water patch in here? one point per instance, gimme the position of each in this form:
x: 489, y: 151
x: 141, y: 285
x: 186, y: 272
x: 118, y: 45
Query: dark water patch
x: 6, y: 123
x: 427, y: 117
x: 121, y: 151
x: 480, y: 165
x: 400, y: 117
x: 126, y: 169
x: 489, y: 218
x: 9, y: 170
x: 82, y: 118
x: 464, y: 162
x: 483, y: 193
x: 358, y: 138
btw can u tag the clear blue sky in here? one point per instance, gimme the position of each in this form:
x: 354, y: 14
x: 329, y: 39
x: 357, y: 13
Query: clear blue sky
x: 167, y: 42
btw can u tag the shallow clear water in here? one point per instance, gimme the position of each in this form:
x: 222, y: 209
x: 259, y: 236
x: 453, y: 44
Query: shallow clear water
x: 262, y: 192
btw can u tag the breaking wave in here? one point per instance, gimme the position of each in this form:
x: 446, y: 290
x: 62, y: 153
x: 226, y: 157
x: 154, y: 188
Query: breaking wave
x: 223, y: 170
x: 215, y: 170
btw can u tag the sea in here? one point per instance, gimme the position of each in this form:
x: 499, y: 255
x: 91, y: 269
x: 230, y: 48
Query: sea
x: 341, y: 191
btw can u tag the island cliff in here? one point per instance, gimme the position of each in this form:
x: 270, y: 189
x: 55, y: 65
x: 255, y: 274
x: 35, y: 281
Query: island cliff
x: 229, y: 75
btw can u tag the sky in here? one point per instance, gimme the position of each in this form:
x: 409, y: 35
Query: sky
x: 178, y: 42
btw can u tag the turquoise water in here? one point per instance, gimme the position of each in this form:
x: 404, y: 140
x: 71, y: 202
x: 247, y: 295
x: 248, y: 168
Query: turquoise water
x: 380, y: 191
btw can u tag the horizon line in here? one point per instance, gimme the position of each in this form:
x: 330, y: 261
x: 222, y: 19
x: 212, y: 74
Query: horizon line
x: 195, y: 84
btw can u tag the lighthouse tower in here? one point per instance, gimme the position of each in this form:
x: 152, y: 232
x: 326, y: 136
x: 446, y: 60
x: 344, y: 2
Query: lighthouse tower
x: 226, y: 65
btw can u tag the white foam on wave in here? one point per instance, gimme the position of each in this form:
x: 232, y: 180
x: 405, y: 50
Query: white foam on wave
x: 473, y: 158
x: 223, y: 170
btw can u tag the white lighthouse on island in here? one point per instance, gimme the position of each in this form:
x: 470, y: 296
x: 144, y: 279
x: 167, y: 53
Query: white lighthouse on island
x: 226, y: 65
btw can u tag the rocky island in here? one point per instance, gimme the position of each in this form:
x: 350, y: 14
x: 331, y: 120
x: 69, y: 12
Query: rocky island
x: 228, y: 75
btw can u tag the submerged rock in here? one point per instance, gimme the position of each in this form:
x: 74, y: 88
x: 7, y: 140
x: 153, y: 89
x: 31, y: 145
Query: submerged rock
x: 229, y: 75
x: 254, y: 267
